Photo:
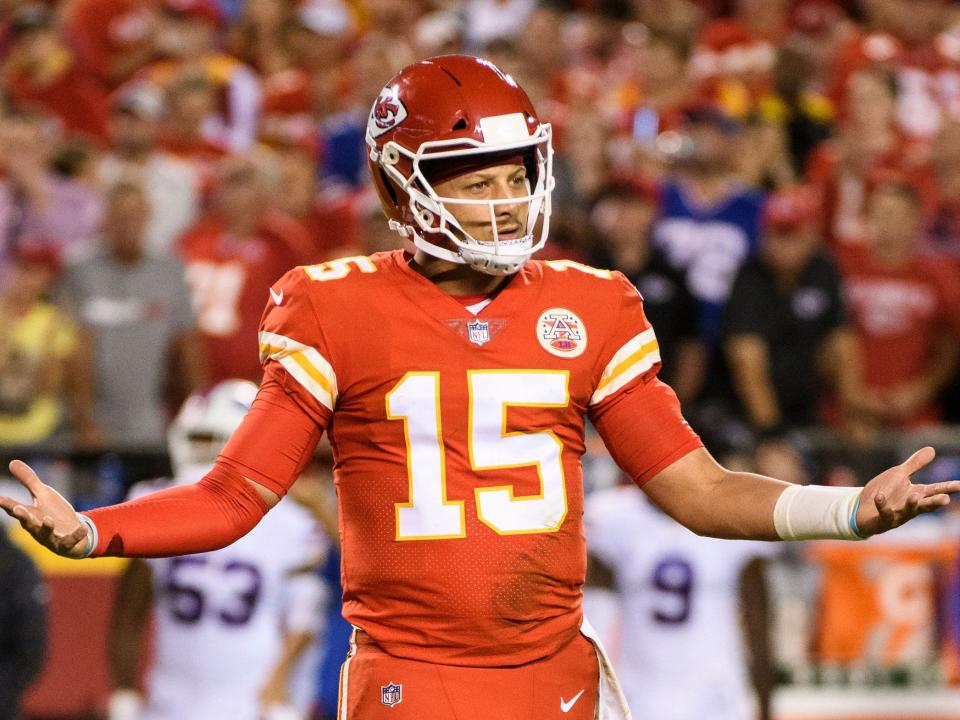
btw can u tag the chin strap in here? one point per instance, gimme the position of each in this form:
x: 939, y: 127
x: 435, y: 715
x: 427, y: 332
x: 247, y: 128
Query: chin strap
x: 480, y: 260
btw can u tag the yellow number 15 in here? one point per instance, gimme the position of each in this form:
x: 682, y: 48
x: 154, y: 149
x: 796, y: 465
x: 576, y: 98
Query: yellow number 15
x: 429, y: 514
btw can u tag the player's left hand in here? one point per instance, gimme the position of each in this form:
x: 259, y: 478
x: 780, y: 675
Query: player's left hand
x: 890, y: 499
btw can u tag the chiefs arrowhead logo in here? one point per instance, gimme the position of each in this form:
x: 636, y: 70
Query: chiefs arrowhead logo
x: 388, y: 112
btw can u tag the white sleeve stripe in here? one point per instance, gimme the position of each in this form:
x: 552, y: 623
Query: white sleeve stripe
x: 635, y: 370
x: 304, y: 363
x: 311, y: 385
x: 630, y: 347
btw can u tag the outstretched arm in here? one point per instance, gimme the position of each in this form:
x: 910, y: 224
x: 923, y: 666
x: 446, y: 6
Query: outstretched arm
x: 264, y: 456
x: 714, y: 501
x: 648, y: 437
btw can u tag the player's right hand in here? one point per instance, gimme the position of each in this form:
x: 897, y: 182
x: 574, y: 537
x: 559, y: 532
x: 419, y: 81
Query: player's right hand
x: 50, y: 518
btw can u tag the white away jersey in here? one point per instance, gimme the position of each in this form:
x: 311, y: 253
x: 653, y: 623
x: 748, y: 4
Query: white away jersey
x: 679, y: 653
x: 219, y: 616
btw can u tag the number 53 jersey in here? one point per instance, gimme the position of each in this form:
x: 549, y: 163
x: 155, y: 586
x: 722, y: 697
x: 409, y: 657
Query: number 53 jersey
x: 457, y: 441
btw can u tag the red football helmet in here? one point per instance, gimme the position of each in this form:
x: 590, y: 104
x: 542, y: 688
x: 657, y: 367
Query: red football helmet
x: 459, y: 113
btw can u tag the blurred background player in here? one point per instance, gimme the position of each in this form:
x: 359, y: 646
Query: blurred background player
x: 691, y: 611
x: 23, y: 625
x: 231, y: 624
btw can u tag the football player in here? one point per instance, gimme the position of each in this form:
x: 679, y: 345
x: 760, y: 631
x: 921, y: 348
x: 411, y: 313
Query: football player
x: 454, y: 383
x: 222, y: 619
x: 679, y: 600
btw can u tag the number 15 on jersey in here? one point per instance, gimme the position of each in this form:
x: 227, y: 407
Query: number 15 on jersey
x: 429, y: 513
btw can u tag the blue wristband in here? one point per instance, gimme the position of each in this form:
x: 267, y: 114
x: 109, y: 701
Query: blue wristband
x: 853, y: 519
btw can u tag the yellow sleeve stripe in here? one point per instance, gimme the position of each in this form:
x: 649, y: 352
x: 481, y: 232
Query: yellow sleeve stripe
x: 305, y: 365
x: 637, y: 355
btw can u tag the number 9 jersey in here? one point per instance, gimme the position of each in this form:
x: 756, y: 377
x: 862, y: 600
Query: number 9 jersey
x: 457, y: 441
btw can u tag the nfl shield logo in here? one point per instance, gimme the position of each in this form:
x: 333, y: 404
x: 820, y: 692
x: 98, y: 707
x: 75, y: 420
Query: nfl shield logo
x: 479, y: 332
x: 391, y: 694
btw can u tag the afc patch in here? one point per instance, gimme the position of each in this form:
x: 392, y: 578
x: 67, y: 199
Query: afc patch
x: 388, y: 112
x: 391, y: 694
x: 478, y: 332
x: 561, y: 333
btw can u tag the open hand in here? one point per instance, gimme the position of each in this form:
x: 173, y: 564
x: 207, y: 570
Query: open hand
x: 50, y: 518
x: 890, y: 499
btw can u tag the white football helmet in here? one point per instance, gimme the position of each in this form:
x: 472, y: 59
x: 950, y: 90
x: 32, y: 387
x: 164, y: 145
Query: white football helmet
x: 204, y: 424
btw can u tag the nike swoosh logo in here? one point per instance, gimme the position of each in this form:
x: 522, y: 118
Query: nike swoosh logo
x: 277, y: 296
x: 565, y: 706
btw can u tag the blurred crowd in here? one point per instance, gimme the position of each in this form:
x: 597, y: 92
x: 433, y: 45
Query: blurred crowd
x: 780, y: 178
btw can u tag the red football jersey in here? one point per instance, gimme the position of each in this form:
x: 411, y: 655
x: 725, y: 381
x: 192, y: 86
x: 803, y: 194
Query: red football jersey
x: 457, y: 442
x: 228, y: 278
x: 898, y: 314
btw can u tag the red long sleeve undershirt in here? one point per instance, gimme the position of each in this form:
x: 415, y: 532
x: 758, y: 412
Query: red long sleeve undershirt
x: 272, y: 446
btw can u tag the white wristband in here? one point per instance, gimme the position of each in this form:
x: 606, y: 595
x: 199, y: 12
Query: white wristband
x: 93, y: 537
x: 812, y: 512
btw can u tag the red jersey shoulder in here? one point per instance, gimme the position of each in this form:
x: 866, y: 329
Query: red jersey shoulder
x: 610, y: 308
x: 605, y: 295
x: 309, y: 298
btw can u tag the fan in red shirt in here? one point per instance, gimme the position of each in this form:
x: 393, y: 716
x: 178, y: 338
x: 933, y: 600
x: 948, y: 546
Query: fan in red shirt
x: 904, y: 307
x: 331, y: 217
x: 187, y: 41
x: 232, y: 255
x: 42, y: 71
x: 868, y: 146
x: 190, y: 99
x: 113, y: 38
x: 908, y: 38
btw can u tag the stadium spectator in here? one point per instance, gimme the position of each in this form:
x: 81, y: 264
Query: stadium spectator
x: 786, y: 338
x: 709, y: 221
x: 302, y: 96
x: 681, y: 18
x: 331, y: 218
x: 43, y: 200
x: 622, y: 215
x: 23, y: 625
x: 343, y: 151
x: 392, y: 17
x: 651, y: 88
x: 137, y: 329
x: 114, y: 39
x: 171, y: 185
x: 903, y: 305
x: 911, y: 39
x: 798, y: 106
x: 186, y: 39
x: 257, y: 38
x: 868, y: 145
x: 190, y: 99
x: 319, y: 34
x: 37, y: 342
x: 41, y: 71
x: 232, y: 254
x: 439, y: 33
x: 735, y: 56
x: 943, y: 225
